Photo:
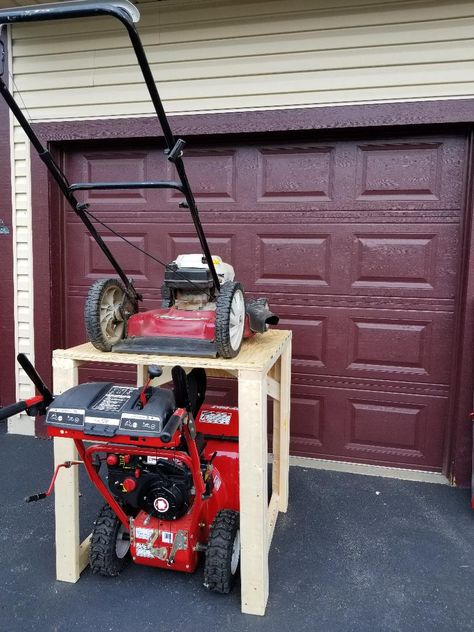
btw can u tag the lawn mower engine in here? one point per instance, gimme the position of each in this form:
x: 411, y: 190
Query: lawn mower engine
x: 166, y: 465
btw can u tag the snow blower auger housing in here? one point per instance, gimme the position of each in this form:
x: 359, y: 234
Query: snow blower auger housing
x: 204, y: 311
x: 166, y: 465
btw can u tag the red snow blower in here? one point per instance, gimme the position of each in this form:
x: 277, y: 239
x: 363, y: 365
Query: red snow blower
x: 166, y: 465
x: 204, y: 311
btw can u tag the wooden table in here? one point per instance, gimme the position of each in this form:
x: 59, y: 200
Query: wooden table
x: 262, y: 368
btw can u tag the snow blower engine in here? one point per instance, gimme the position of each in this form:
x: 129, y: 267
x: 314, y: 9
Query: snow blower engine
x: 204, y: 312
x: 166, y: 465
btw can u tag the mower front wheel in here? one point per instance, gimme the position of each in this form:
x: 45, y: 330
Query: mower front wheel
x: 230, y: 319
x: 110, y: 544
x: 223, y: 552
x: 104, y: 313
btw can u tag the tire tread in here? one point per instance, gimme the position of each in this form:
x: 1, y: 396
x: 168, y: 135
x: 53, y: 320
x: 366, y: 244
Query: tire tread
x: 102, y: 556
x: 223, y: 305
x: 217, y: 574
x: 92, y: 313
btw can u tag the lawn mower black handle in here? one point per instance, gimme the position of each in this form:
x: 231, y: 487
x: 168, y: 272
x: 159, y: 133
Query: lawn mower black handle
x: 12, y: 409
x: 127, y: 14
x: 121, y: 9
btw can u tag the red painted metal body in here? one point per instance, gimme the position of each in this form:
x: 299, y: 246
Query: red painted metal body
x: 179, y: 323
x: 152, y: 539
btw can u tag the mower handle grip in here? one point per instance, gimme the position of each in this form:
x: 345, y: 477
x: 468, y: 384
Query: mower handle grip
x: 172, y: 426
x: 13, y: 409
x: 121, y: 9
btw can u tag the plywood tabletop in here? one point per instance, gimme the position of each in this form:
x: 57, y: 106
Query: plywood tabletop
x: 257, y: 353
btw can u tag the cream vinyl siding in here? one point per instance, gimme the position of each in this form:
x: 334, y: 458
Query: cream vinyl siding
x: 228, y: 55
x: 211, y: 56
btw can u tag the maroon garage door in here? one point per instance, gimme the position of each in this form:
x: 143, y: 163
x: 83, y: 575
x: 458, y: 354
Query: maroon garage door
x: 355, y: 243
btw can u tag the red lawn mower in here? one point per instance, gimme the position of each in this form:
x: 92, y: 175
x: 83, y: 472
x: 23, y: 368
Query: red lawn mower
x: 166, y: 464
x: 204, y: 311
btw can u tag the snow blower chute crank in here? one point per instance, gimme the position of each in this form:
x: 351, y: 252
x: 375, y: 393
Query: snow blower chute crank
x: 203, y: 311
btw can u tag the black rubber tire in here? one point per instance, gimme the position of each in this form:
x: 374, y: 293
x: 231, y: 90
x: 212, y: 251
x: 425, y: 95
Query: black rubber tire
x: 92, y: 313
x: 218, y: 576
x: 103, y: 556
x: 223, y: 309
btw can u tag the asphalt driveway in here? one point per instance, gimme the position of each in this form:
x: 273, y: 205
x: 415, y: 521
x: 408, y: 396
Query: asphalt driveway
x: 353, y: 553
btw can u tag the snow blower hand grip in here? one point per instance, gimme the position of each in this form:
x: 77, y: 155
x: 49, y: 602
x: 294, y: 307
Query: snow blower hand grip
x: 13, y: 409
x: 172, y: 425
x: 34, y: 497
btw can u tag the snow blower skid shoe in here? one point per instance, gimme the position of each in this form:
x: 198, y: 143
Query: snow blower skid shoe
x: 204, y: 311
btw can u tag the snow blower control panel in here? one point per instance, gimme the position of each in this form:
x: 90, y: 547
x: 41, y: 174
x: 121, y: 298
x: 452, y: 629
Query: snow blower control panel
x: 106, y: 410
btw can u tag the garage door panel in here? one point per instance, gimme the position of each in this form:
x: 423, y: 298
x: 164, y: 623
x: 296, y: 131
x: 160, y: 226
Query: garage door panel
x: 363, y: 426
x: 310, y: 338
x: 75, y: 331
x: 405, y: 260
x: 397, y: 174
x: 413, y: 171
x: 403, y: 171
x: 387, y: 260
x: 88, y: 263
x: 405, y: 428
x: 378, y: 344
x: 279, y: 258
x: 295, y: 173
x: 224, y: 245
x: 399, y: 345
x: 125, y: 164
x: 308, y: 420
x: 117, y: 373
x: 213, y: 175
x: 334, y: 259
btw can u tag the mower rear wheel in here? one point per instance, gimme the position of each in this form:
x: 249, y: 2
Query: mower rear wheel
x: 103, y: 313
x: 223, y: 552
x: 110, y: 544
x: 230, y: 319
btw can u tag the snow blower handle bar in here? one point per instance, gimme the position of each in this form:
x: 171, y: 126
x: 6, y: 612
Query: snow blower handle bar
x: 34, y: 405
x: 128, y: 15
x: 172, y: 425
